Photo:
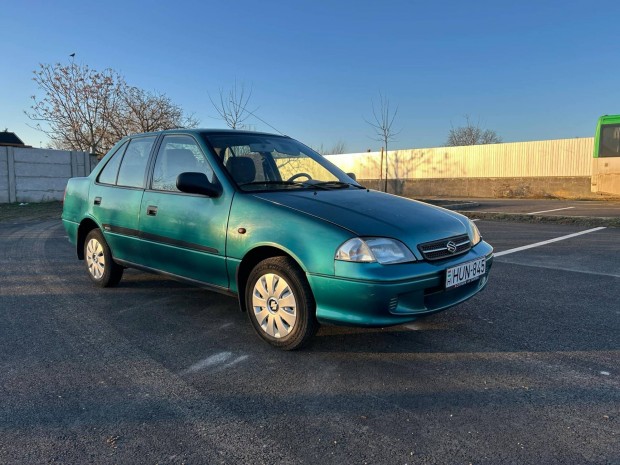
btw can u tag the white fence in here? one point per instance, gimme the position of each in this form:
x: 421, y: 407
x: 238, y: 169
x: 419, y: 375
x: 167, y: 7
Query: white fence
x: 557, y: 158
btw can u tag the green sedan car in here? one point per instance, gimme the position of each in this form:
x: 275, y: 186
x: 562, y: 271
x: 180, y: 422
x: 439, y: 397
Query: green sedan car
x: 266, y: 219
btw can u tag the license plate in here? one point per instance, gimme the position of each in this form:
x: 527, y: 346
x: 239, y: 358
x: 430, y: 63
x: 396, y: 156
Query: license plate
x: 465, y: 273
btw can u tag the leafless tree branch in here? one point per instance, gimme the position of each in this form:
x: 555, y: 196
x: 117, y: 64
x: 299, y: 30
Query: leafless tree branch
x: 87, y: 110
x: 382, y: 125
x: 232, y: 105
x: 471, y: 134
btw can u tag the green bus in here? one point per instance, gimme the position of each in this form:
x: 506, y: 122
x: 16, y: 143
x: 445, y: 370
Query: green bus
x: 607, y: 139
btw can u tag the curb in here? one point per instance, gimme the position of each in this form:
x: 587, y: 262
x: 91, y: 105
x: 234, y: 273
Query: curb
x: 451, y: 204
x: 593, y: 221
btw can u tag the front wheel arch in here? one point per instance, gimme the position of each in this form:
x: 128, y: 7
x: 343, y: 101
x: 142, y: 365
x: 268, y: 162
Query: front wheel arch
x: 280, y: 302
x: 250, y: 260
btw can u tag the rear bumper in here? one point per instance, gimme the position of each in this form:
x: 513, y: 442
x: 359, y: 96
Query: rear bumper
x: 72, y: 230
x: 371, y: 302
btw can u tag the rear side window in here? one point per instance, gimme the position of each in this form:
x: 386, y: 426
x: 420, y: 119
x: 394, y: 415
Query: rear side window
x: 133, y: 166
x: 176, y: 155
x: 109, y: 172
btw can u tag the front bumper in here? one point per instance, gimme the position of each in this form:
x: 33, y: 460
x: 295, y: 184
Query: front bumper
x: 377, y: 295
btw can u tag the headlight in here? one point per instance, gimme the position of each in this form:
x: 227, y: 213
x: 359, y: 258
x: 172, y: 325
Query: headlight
x: 376, y: 249
x: 474, y: 234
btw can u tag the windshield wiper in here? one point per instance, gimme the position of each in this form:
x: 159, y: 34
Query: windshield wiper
x: 268, y: 183
x: 335, y: 185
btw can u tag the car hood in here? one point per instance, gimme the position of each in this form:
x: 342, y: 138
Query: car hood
x: 371, y: 213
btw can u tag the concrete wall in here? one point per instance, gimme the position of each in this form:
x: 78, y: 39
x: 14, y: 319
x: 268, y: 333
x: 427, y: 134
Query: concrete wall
x: 39, y: 175
x: 606, y: 175
x: 573, y: 187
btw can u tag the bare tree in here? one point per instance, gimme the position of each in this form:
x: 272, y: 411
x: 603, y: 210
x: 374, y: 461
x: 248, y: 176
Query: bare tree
x: 78, y: 105
x: 382, y: 124
x: 471, y: 134
x: 319, y: 149
x: 143, y: 111
x: 232, y: 105
x: 87, y: 110
x: 337, y: 149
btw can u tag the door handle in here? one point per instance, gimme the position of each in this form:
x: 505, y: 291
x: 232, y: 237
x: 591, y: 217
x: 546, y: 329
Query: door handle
x: 97, y: 201
x: 151, y: 210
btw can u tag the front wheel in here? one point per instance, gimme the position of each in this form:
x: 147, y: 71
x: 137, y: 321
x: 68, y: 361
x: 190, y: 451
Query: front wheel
x: 280, y: 303
x: 102, y: 270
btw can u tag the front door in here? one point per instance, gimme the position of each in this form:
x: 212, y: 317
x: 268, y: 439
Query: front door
x: 184, y: 234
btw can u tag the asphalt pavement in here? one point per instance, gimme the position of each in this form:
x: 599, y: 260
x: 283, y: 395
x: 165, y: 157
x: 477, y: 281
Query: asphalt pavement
x: 154, y: 371
x: 540, y: 207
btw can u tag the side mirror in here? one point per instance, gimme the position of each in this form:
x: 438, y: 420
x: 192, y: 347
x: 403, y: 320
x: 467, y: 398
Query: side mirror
x: 352, y: 176
x: 197, y: 183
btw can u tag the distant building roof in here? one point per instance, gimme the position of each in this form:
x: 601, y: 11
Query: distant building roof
x: 10, y: 139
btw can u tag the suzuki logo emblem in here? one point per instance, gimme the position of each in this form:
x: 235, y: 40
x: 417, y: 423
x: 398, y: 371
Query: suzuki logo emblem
x: 273, y: 305
x: 451, y: 246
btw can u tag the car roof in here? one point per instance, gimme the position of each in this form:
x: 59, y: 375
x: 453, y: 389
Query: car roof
x: 207, y: 132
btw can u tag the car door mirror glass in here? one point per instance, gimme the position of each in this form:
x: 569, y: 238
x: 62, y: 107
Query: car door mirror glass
x: 198, y: 183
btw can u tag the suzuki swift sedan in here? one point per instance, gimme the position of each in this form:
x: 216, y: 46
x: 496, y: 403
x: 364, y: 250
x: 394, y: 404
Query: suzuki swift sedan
x: 266, y: 219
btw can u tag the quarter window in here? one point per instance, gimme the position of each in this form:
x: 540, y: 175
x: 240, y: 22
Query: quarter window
x: 176, y: 155
x: 133, y: 167
x: 109, y: 172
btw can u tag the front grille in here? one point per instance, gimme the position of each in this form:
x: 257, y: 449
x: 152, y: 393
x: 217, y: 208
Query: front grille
x: 438, y: 250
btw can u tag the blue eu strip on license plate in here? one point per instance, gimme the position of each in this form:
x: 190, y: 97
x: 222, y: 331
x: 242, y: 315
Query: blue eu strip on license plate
x: 465, y: 273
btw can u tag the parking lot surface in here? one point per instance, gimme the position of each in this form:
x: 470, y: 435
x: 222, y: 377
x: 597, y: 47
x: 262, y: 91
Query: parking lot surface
x: 160, y: 372
x: 549, y: 207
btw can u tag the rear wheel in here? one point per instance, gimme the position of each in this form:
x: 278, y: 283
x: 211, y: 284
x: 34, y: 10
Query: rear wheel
x: 102, y: 270
x: 280, y: 303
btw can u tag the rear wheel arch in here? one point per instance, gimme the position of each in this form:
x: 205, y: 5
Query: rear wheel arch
x: 100, y: 265
x: 86, y: 226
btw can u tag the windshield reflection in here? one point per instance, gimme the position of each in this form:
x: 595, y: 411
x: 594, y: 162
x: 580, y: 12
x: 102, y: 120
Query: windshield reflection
x: 261, y: 162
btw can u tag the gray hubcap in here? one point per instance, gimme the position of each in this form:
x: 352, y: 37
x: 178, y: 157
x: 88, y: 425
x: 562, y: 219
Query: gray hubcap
x: 274, y: 305
x: 95, y: 258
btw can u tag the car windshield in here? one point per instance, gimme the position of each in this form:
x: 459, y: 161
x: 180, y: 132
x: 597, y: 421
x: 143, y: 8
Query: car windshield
x: 263, y: 162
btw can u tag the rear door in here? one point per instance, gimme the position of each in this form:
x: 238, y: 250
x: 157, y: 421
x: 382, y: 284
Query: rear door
x: 116, y: 197
x: 184, y: 234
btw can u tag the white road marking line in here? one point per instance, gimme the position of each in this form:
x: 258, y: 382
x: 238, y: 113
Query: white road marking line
x: 477, y: 219
x: 547, y: 211
x: 538, y: 244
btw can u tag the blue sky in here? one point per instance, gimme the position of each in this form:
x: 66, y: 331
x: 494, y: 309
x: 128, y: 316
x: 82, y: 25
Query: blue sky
x: 529, y: 70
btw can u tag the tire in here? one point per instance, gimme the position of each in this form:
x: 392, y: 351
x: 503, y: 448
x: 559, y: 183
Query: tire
x: 280, y: 303
x: 100, y: 266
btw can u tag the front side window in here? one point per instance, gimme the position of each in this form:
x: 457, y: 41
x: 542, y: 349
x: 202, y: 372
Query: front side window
x: 133, y: 166
x: 259, y: 162
x: 176, y: 155
x: 609, y: 141
x: 110, y: 171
